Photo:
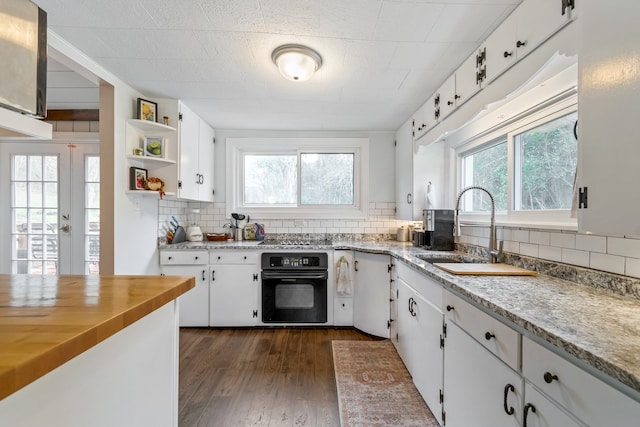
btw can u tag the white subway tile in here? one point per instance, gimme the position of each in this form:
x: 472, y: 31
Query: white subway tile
x: 551, y: 253
x: 528, y: 249
x: 575, y: 257
x: 94, y: 126
x: 65, y: 127
x: 563, y: 240
x: 510, y: 246
x: 590, y: 243
x: 79, y: 126
x: 539, y: 237
x: 624, y: 247
x: 346, y: 230
x: 632, y: 267
x: 520, y: 236
x: 605, y: 262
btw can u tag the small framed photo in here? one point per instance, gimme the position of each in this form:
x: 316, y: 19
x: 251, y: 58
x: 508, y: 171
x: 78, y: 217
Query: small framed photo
x: 137, y: 178
x: 147, y: 110
x: 154, y: 147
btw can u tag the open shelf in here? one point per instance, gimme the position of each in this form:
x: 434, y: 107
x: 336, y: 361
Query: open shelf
x: 148, y: 126
x: 151, y: 160
x: 149, y: 193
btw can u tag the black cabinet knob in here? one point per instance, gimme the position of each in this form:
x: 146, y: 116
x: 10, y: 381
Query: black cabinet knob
x: 169, y: 258
x: 450, y: 307
x: 549, y: 377
x: 456, y: 96
x: 507, y: 54
x: 488, y: 336
x: 449, y: 102
x: 521, y: 44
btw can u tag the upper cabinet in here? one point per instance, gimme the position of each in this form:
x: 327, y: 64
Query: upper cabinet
x: 193, y: 142
x: 608, y: 109
x: 404, y: 172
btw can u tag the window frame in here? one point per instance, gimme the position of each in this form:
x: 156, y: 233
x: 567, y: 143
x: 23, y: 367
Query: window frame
x: 560, y: 218
x: 237, y: 148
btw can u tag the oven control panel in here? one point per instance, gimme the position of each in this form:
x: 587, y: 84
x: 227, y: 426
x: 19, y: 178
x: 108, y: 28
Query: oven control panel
x: 294, y: 261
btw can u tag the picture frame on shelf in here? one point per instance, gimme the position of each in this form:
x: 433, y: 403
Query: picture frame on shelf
x: 147, y: 110
x: 137, y: 178
x: 154, y: 147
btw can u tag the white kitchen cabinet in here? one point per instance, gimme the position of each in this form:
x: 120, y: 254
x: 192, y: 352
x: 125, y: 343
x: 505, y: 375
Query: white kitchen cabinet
x: 447, y: 96
x: 404, y: 172
x: 418, y: 343
x: 343, y: 303
x: 421, y: 121
x: 164, y: 167
x: 479, y: 389
x: 469, y: 77
x: 608, y: 110
x: 194, y: 304
x: 578, y: 392
x: 536, y: 21
x: 193, y: 143
x: 542, y: 412
x: 371, y: 293
x: 234, y: 289
x: 500, y: 48
x: 393, y: 303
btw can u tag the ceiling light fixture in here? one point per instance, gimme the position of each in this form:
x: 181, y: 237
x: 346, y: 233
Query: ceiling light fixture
x: 296, y: 62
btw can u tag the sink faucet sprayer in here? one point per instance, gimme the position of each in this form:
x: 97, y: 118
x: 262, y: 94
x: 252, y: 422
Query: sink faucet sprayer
x: 494, y: 253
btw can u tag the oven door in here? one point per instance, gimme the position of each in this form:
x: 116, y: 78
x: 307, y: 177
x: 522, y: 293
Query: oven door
x: 294, y: 296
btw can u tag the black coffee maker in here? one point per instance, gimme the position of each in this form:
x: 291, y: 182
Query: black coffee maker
x: 438, y: 229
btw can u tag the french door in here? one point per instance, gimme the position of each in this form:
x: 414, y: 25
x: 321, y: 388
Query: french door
x: 53, y: 211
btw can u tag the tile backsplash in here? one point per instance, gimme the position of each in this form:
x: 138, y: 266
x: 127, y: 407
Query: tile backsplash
x: 616, y: 255
x: 380, y: 224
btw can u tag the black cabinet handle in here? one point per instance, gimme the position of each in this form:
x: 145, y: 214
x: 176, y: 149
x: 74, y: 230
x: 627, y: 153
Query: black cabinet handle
x: 549, y: 377
x: 355, y: 265
x: 507, y: 54
x: 203, y: 273
x: 213, y: 275
x: 528, y: 407
x: 521, y: 43
x: 508, y: 409
x: 218, y: 256
x: 196, y: 258
x: 169, y: 257
x: 412, y: 304
x: 488, y: 336
x: 450, y: 308
x: 449, y: 102
x: 456, y: 96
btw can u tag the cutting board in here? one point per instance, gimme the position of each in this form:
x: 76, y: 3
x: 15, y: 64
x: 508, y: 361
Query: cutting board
x: 497, y: 269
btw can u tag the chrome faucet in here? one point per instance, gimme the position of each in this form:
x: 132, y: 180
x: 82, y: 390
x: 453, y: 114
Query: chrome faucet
x: 494, y: 253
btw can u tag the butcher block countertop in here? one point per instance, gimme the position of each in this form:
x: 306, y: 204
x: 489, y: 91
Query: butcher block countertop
x: 47, y: 320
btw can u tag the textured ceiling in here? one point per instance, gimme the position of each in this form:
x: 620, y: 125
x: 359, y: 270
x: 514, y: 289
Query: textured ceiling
x: 381, y: 58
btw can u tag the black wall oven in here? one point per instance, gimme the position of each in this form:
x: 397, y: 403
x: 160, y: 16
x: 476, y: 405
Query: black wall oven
x: 294, y: 287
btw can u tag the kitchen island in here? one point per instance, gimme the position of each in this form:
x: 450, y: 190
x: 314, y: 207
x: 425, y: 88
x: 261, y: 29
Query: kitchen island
x: 89, y: 350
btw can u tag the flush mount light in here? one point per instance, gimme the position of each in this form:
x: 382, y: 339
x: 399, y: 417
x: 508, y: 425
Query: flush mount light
x: 296, y: 62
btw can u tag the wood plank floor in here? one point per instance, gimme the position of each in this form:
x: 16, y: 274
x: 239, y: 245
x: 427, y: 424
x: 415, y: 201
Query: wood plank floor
x: 259, y: 376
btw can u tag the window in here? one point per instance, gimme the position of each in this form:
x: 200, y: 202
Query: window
x: 92, y: 215
x: 529, y: 166
x: 298, y: 178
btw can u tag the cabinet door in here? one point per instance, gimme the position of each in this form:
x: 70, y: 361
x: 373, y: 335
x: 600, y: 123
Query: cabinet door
x: 404, y: 172
x: 537, y: 20
x: 609, y: 109
x: 234, y: 295
x: 189, y: 131
x: 194, y: 304
x: 419, y: 331
x: 467, y: 79
x: 500, y: 48
x: 206, y: 162
x: 420, y: 123
x: 371, y: 295
x: 477, y: 385
x: 542, y: 413
x: 447, y: 94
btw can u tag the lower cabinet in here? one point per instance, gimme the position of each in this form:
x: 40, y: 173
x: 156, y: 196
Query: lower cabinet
x: 479, y: 389
x: 233, y: 296
x: 418, y: 343
x: 194, y: 304
x: 539, y: 411
x: 371, y: 293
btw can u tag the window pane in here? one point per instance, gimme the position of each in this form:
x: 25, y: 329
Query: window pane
x: 547, y: 165
x: 20, y: 168
x: 92, y: 172
x: 327, y: 179
x: 270, y: 179
x: 488, y: 169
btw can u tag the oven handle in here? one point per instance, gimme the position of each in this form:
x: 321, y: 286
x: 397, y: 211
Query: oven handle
x: 293, y: 276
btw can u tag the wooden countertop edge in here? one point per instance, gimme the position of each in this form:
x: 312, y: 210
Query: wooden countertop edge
x: 14, y: 378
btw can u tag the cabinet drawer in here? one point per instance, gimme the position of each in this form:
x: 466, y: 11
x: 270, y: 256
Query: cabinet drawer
x: 183, y: 257
x: 580, y: 393
x: 430, y: 289
x: 494, y: 335
x: 233, y: 257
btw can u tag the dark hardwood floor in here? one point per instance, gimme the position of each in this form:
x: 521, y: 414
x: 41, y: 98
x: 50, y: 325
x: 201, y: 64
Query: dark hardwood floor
x: 259, y: 377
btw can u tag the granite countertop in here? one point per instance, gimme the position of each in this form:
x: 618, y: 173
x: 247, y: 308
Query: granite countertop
x: 46, y: 321
x: 598, y: 327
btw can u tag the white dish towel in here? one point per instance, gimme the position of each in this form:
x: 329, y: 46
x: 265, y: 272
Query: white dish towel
x: 343, y: 277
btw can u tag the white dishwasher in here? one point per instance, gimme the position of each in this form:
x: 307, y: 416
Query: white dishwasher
x: 194, y: 305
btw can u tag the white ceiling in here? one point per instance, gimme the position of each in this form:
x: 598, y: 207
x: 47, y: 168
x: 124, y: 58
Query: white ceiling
x: 381, y: 58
